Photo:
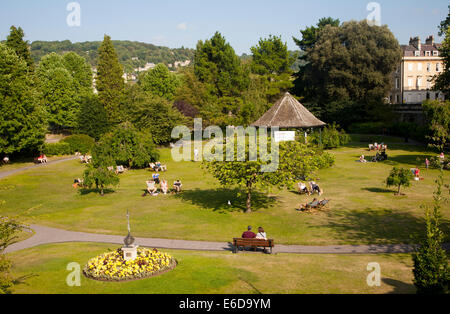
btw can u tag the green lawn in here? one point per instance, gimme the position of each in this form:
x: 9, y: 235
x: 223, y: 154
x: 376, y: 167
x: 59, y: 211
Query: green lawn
x: 362, y: 210
x: 221, y: 272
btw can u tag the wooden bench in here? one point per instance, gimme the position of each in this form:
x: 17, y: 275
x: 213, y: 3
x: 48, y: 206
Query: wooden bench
x: 254, y: 243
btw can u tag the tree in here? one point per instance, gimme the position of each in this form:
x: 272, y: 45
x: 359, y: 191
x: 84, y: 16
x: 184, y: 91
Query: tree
x: 22, y: 124
x: 272, y: 60
x: 92, y: 118
x: 125, y: 146
x: 101, y: 177
x: 15, y: 41
x: 217, y: 65
x: 80, y: 71
x: 9, y: 229
x: 399, y: 177
x: 109, y: 82
x: 350, y: 66
x: 157, y: 117
x: 160, y: 82
x: 431, y: 271
x: 295, y: 161
x: 443, y: 27
x: 442, y: 81
x: 310, y: 34
x: 437, y: 114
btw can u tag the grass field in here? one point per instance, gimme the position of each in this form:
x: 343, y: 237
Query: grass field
x: 362, y: 209
x: 222, y: 273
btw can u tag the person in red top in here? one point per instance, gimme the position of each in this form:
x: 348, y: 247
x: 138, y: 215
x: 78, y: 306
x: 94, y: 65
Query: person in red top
x: 249, y: 234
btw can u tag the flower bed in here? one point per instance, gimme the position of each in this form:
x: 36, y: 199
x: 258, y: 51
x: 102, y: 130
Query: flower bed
x: 112, y: 266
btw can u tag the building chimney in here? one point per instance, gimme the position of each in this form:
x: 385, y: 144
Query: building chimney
x: 415, y: 42
x: 430, y: 40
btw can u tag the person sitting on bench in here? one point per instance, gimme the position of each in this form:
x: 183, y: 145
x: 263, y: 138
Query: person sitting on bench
x: 177, y: 185
x: 261, y: 234
x: 249, y: 234
x: 302, y: 189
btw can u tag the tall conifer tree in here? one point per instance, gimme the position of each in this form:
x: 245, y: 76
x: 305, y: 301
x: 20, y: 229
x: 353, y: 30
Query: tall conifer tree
x: 110, y: 83
x: 15, y: 41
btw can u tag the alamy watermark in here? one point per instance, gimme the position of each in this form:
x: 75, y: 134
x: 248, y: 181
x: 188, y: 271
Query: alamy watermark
x: 74, y: 17
x: 374, y: 17
x: 74, y: 278
x: 374, y: 278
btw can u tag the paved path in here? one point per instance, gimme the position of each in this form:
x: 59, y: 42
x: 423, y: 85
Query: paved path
x: 8, y: 173
x: 46, y: 235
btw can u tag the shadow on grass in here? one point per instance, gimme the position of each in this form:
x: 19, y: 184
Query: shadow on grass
x: 399, y: 286
x: 378, y: 190
x: 96, y: 191
x: 380, y: 226
x: 217, y: 200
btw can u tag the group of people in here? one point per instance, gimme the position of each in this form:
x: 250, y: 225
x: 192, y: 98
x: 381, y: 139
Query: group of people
x: 315, y: 204
x: 157, y: 166
x: 85, y: 159
x: 376, y: 146
x: 379, y: 157
x: 152, y: 188
x: 249, y: 234
x: 314, y: 188
x: 42, y: 159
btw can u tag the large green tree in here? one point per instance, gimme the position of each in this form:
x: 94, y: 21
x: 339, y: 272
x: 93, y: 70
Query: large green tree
x: 272, y: 60
x: 22, y: 48
x: 22, y: 119
x: 437, y: 115
x: 295, y: 161
x: 310, y: 34
x: 442, y: 81
x: 217, y: 65
x: 159, y: 82
x: 110, y: 83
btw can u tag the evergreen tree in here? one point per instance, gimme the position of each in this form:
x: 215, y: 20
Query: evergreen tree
x: 92, y: 119
x: 22, y: 124
x: 81, y: 72
x: 110, y: 83
x: 15, y: 41
x: 431, y: 271
x: 442, y: 81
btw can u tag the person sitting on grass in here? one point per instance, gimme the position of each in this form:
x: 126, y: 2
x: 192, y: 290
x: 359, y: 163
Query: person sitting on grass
x: 151, y: 187
x: 362, y: 159
x: 164, y: 186
x: 315, y: 188
x: 156, y: 178
x: 6, y: 160
x: 177, y: 186
x: 302, y: 189
x: 77, y: 183
x: 158, y: 166
x: 249, y: 234
x: 152, y: 166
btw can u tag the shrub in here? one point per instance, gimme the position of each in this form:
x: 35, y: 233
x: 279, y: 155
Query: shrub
x: 80, y: 143
x: 57, y: 149
x: 331, y: 137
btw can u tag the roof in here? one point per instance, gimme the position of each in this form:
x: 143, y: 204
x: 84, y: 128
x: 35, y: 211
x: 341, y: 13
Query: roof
x: 288, y: 113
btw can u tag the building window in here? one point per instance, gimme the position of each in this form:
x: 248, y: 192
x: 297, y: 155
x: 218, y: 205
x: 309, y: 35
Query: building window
x: 429, y: 67
x: 428, y: 53
x: 397, y: 83
x: 419, y: 66
x: 417, y: 54
x: 410, y: 66
x: 410, y: 82
x: 419, y: 82
x: 398, y: 98
x: 438, y: 67
x: 435, y: 53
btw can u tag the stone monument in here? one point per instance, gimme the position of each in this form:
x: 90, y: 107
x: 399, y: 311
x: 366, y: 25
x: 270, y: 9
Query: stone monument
x: 130, y: 249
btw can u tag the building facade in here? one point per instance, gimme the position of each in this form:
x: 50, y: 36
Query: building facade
x: 413, y: 79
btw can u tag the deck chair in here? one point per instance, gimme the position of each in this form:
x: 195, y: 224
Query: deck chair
x: 151, y: 187
x: 323, y: 203
x: 120, y: 169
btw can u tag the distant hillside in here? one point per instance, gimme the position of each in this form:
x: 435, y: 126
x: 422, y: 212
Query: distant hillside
x: 131, y: 54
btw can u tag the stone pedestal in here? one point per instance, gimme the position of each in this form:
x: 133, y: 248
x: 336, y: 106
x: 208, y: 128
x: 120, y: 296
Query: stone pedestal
x: 130, y: 253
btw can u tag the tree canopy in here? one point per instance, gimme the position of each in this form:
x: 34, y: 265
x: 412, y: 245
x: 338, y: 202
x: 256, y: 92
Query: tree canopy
x: 159, y: 82
x: 15, y: 41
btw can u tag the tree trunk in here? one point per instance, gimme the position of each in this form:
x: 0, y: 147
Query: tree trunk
x: 102, y: 193
x: 249, y: 198
x: 399, y: 189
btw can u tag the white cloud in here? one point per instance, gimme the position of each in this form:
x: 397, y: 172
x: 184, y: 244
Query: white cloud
x: 182, y: 26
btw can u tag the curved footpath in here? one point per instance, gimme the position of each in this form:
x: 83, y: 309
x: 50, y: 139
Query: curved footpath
x: 46, y: 235
x: 8, y: 173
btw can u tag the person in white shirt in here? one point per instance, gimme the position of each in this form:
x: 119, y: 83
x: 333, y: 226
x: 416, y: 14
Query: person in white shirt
x: 6, y: 160
x: 261, y: 234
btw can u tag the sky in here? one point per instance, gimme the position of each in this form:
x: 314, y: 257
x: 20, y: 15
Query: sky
x: 177, y: 23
